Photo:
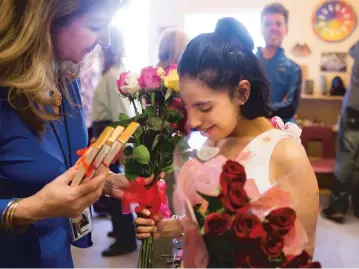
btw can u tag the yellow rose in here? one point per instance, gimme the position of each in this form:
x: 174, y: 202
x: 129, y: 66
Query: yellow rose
x: 171, y: 80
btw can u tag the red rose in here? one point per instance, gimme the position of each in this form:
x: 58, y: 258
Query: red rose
x: 217, y: 224
x: 280, y: 221
x: 235, y: 199
x: 272, y: 246
x: 233, y: 196
x: 150, y: 79
x: 122, y: 82
x: 233, y: 171
x: 247, y: 226
x: 302, y: 260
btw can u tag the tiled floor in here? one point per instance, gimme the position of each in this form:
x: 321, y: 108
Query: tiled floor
x: 91, y: 257
x: 337, y: 245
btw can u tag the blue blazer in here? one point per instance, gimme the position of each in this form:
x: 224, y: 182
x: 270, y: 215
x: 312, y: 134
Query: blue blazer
x: 28, y: 163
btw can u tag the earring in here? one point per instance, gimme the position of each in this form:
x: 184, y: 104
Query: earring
x: 244, y: 100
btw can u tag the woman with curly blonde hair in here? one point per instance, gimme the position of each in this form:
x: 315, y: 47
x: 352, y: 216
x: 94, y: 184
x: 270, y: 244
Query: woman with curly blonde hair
x: 42, y: 46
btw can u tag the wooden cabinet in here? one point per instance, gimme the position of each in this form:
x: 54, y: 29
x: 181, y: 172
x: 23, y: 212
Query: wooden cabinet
x: 325, y: 109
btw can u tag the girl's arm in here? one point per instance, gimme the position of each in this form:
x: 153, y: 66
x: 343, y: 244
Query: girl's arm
x: 291, y: 168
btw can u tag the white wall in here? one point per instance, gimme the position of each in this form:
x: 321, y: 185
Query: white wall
x: 164, y: 13
x: 133, y: 23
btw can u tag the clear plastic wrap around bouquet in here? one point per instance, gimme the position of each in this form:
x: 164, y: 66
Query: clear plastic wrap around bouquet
x: 234, y: 216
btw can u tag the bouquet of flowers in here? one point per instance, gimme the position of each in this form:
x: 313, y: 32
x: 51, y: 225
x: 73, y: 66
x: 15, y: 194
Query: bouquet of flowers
x: 233, y: 221
x: 150, y: 150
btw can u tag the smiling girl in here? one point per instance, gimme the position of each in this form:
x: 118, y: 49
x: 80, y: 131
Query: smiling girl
x: 226, y: 96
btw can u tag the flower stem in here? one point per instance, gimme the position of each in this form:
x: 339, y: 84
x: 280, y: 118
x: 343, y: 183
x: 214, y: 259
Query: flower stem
x: 145, y: 257
x: 134, y: 105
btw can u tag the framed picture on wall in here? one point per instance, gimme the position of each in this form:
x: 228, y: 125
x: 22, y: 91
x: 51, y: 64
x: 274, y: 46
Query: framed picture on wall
x: 333, y: 62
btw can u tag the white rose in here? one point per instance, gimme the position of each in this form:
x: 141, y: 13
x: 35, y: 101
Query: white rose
x: 132, y: 86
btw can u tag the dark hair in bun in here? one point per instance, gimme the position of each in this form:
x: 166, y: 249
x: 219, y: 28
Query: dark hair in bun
x: 222, y: 59
x: 232, y: 28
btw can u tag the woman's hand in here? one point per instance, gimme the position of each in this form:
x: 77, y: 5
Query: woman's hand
x: 116, y: 184
x: 58, y: 199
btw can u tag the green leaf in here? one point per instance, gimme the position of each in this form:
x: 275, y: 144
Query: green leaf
x: 168, y: 94
x: 167, y: 160
x: 168, y: 146
x: 278, y: 260
x: 221, y: 210
x: 123, y: 123
x: 155, y: 123
x: 169, y: 131
x: 128, y: 151
x: 140, y: 118
x: 174, y: 116
x: 124, y: 120
x: 123, y: 116
x: 214, y: 203
x: 150, y: 111
x: 141, y: 154
x: 131, y: 177
x: 168, y: 169
x: 155, y: 141
x: 199, y: 215
x: 139, y: 131
x: 135, y: 169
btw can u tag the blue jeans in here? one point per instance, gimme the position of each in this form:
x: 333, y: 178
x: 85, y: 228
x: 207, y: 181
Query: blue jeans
x: 347, y: 161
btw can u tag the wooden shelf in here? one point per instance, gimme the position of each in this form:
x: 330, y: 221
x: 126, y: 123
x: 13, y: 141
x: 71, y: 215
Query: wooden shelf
x: 334, y: 127
x: 322, y: 97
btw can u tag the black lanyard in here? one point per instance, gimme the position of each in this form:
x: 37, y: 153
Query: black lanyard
x: 68, y: 164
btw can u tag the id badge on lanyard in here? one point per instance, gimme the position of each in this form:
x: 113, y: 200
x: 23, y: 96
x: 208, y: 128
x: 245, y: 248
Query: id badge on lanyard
x: 82, y: 225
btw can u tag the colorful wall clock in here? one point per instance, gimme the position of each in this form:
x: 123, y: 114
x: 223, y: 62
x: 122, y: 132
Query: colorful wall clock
x: 334, y: 21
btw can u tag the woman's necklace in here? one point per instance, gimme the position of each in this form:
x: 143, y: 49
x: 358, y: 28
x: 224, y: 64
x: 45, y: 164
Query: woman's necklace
x: 52, y: 97
x: 57, y: 97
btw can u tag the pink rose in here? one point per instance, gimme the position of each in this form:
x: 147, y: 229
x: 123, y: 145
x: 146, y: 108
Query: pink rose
x: 150, y: 79
x: 122, y: 82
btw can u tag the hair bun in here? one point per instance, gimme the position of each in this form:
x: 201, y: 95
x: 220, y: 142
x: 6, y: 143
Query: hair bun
x: 232, y: 28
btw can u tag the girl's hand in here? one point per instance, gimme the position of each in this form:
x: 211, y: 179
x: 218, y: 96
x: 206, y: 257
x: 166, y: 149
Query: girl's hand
x: 169, y: 228
x: 146, y: 226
